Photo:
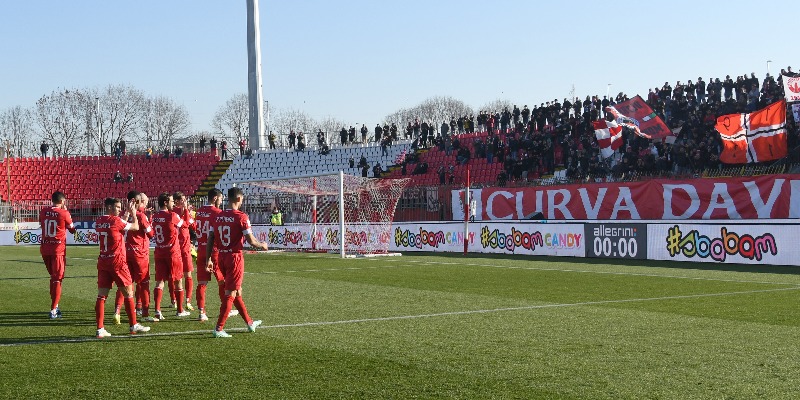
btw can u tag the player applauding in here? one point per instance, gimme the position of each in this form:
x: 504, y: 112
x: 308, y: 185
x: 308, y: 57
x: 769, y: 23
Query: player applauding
x: 227, y: 232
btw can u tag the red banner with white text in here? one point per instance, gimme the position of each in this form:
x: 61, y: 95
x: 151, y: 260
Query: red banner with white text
x: 759, y: 197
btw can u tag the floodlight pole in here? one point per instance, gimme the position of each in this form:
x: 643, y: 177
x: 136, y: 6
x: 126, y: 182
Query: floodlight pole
x: 254, y: 86
x: 341, y: 213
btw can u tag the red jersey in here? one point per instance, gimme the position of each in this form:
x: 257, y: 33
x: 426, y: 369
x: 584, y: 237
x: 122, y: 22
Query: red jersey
x: 184, y: 239
x: 138, y: 242
x: 110, y: 230
x: 230, y: 228
x: 55, y: 222
x: 204, y: 219
x: 166, y: 225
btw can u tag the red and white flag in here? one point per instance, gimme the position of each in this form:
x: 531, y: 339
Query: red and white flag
x: 791, y: 88
x: 754, y: 137
x: 609, y: 136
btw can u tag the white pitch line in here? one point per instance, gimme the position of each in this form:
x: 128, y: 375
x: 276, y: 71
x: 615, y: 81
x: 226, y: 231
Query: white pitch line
x: 403, y: 317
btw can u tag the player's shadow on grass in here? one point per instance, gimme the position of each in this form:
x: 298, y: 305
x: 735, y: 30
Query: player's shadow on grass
x: 41, y: 319
x: 685, y: 265
x: 45, y: 277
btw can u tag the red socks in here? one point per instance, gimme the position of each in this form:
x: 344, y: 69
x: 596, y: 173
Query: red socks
x: 157, y: 294
x: 130, y: 310
x: 99, y: 311
x: 239, y: 303
x: 55, y: 294
x: 224, y: 310
x: 144, y: 298
x: 189, y: 283
x: 179, y: 296
x: 172, y: 291
x: 118, y: 302
x: 201, y: 296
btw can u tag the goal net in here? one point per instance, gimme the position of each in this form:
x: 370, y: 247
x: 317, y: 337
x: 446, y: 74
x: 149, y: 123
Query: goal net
x: 337, y: 212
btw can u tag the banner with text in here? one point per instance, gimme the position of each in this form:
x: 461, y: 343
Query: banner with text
x: 757, y: 197
x: 724, y: 243
x: 496, y: 237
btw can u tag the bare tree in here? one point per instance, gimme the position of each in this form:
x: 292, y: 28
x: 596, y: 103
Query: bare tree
x: 163, y: 121
x: 287, y: 120
x: 121, y: 110
x: 497, y: 106
x: 233, y: 119
x: 61, y: 118
x: 331, y: 126
x: 16, y: 131
x: 433, y: 110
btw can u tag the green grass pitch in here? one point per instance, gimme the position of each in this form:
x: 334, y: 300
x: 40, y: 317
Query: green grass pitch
x: 420, y: 327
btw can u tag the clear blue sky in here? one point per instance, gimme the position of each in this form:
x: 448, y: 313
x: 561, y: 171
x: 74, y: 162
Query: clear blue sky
x: 360, y: 60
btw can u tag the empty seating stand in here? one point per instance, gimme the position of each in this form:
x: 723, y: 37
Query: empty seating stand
x: 281, y: 163
x: 91, y: 177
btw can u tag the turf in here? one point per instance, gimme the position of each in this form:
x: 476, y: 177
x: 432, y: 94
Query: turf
x: 421, y: 326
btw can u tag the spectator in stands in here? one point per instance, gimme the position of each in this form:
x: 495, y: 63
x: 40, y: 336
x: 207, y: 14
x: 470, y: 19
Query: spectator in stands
x: 352, y: 162
x: 364, y: 170
x: 441, y: 173
x: 343, y: 136
x: 242, y: 145
x: 378, y: 133
x: 292, y: 138
x: 224, y: 148
x: 203, y: 143
x: 301, y: 141
x: 166, y: 152
x: 130, y: 177
x: 118, y: 153
x: 271, y: 139
x: 351, y: 135
x: 377, y: 170
x: 276, y: 219
x: 123, y: 147
x: 364, y: 132
x: 213, y: 143
x: 420, y: 169
x: 320, y: 138
x: 149, y: 152
x: 43, y: 148
x: 324, y: 150
x: 179, y: 151
x: 117, y: 177
x: 384, y: 147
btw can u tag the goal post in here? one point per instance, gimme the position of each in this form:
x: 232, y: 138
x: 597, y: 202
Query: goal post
x: 342, y: 213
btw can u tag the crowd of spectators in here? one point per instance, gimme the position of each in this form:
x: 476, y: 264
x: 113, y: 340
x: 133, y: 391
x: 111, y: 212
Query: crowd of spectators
x: 560, y: 134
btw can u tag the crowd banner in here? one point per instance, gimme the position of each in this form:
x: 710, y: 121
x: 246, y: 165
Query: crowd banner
x: 735, y: 198
x: 774, y: 244
x: 791, y: 87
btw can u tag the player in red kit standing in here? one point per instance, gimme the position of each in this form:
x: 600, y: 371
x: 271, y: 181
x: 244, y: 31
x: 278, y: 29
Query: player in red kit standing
x: 184, y: 241
x: 111, y: 265
x: 204, y: 220
x: 169, y: 266
x: 55, y: 221
x: 137, y: 248
x: 228, y: 231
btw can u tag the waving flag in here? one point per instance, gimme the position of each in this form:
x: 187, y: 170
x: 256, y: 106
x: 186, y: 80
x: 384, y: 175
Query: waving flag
x: 637, y: 115
x: 791, y: 88
x: 754, y: 137
x: 609, y: 136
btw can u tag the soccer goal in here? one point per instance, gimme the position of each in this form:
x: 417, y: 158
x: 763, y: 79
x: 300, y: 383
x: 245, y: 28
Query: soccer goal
x: 341, y: 213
